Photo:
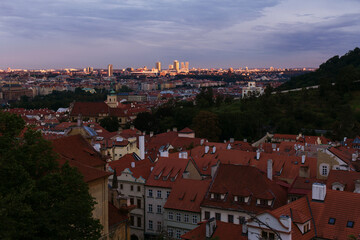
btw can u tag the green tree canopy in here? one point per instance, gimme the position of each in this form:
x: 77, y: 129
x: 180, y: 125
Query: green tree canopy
x: 38, y: 198
x: 110, y: 123
x: 206, y: 125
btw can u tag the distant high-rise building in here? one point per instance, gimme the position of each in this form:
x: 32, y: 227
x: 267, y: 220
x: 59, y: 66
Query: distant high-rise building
x: 171, y: 67
x: 110, y: 70
x: 182, y: 65
x: 187, y: 65
x: 176, y: 65
x: 158, y: 66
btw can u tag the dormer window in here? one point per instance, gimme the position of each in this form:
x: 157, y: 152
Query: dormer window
x: 235, y: 198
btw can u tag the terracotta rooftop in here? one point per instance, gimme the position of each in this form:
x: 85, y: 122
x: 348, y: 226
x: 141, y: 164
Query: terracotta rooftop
x: 187, y: 195
x: 78, y: 149
x: 228, y: 231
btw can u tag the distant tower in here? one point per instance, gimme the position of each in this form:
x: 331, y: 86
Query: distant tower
x: 110, y: 70
x: 176, y: 65
x: 187, y: 65
x: 171, y: 67
x: 182, y: 65
x: 158, y: 66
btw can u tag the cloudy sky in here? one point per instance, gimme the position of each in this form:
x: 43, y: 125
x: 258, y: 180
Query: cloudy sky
x: 208, y: 33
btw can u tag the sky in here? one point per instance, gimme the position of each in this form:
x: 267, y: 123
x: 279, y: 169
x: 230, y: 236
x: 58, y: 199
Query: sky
x: 39, y: 34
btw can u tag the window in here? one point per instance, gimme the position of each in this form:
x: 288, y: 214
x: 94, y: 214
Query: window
x: 132, y: 220
x: 150, y: 224
x: 139, y: 221
x: 350, y: 224
x: 150, y: 209
x: 131, y: 188
x: 131, y: 201
x: 268, y: 235
x: 121, y: 186
x: 186, y: 218
x: 158, y: 194
x: 332, y: 221
x: 150, y: 193
x: 170, y: 232
x: 178, y: 234
x: 170, y: 216
x: 207, y: 215
x: 194, y: 219
x: 231, y: 218
x: 324, y: 170
x: 158, y: 226
x: 138, y: 203
x: 138, y: 188
x: 178, y: 217
x: 307, y: 227
x: 218, y: 216
x: 158, y: 208
x: 167, y: 194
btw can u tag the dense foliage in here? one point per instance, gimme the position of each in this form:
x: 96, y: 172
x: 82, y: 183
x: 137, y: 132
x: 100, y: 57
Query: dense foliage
x: 335, y: 109
x: 38, y: 198
x: 336, y: 69
x: 61, y: 99
x: 110, y: 123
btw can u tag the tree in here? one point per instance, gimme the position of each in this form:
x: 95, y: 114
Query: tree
x: 206, y: 125
x: 38, y: 198
x: 110, y: 123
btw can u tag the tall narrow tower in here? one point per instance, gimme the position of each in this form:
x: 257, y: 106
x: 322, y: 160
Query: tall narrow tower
x: 176, y: 65
x: 158, y: 66
x: 110, y: 70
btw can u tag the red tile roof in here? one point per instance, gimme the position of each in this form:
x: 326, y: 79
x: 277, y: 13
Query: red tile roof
x: 91, y: 109
x: 89, y: 173
x: 167, y: 171
x: 186, y: 130
x: 347, y: 178
x: 187, y: 195
x: 228, y: 231
x: 78, y: 149
x: 237, y: 180
x: 115, y: 215
x: 342, y: 206
x: 142, y: 167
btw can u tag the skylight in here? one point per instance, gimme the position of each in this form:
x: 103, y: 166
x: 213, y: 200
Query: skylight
x: 350, y: 224
x: 332, y: 221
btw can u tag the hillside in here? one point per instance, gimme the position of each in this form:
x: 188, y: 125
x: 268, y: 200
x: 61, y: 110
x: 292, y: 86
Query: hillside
x: 336, y: 69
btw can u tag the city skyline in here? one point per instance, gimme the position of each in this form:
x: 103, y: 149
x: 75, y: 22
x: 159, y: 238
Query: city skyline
x: 78, y: 33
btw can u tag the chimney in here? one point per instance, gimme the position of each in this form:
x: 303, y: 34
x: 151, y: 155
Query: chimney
x: 232, y: 140
x: 244, y: 229
x: 79, y: 121
x: 151, y: 134
x: 303, y: 157
x: 357, y: 186
x: 174, y: 129
x: 132, y: 127
x: 132, y: 164
x: 164, y: 153
x: 207, y: 149
x: 210, y: 227
x: 202, y: 142
x: 142, y: 147
x: 286, y: 221
x: 183, y: 155
x: 258, y: 155
x: 269, y: 169
x: 318, y: 192
x: 354, y: 157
